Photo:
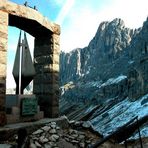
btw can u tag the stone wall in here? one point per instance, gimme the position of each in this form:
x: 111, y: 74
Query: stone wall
x: 46, y: 82
x: 46, y: 54
x: 3, y: 60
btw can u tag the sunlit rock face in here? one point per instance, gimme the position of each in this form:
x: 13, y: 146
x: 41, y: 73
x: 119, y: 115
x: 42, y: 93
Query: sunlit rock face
x: 112, y: 72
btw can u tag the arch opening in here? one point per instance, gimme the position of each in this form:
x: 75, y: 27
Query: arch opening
x: 46, y: 55
x: 13, y: 37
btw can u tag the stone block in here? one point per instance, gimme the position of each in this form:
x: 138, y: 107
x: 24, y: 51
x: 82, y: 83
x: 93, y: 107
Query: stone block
x: 51, y: 68
x: 47, y: 59
x: 3, y: 44
x: 46, y: 50
x: 46, y: 103
x: 48, y: 99
x: 2, y: 70
x: 2, y: 81
x: 55, y: 49
x: 56, y: 29
x: 55, y: 39
x: 3, y: 34
x: 46, y: 78
x: 48, y: 68
x: 42, y: 50
x: 3, y: 18
x: 3, y: 47
x: 55, y: 58
x: 4, y: 29
x: 44, y: 59
x: 3, y: 59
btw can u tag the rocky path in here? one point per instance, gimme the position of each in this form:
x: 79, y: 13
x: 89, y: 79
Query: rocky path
x: 51, y: 135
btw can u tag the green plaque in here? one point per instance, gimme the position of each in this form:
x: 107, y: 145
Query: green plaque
x: 29, y: 106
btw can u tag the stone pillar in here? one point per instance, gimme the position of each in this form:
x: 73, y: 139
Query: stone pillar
x: 46, y: 81
x: 3, y: 61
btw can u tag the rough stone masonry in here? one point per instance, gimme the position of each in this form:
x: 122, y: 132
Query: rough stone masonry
x: 46, y: 54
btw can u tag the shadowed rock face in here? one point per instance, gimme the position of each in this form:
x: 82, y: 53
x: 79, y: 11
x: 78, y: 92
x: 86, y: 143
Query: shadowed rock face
x: 108, y: 44
x: 113, y: 52
x: 111, y: 72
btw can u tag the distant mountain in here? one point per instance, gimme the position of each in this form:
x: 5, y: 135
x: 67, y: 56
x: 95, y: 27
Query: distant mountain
x: 113, y: 68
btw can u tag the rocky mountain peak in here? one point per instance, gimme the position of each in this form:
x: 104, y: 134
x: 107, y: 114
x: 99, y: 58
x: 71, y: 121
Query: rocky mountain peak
x: 118, y: 22
x: 111, y: 42
x: 111, y: 37
x: 108, y: 78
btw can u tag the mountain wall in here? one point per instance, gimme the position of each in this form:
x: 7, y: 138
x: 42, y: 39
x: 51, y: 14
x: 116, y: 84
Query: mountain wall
x: 106, y: 83
x: 115, y: 52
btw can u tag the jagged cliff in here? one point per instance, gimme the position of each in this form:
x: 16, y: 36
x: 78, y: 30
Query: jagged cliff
x: 114, y: 51
x: 109, y: 43
x: 111, y: 71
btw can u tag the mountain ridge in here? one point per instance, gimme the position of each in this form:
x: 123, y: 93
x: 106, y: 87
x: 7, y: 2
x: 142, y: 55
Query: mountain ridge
x: 110, y: 72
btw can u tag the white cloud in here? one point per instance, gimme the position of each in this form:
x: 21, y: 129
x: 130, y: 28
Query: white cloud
x: 133, y: 12
x: 83, y: 23
x: 80, y: 31
x: 64, y: 11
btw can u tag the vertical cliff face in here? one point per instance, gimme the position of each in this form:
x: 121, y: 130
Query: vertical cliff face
x: 114, y: 52
x: 138, y: 68
x: 107, y: 82
x: 109, y: 43
x: 70, y: 68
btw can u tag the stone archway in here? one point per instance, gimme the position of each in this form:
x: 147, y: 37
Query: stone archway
x: 46, y: 54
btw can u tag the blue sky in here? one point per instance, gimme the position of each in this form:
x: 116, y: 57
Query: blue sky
x: 79, y: 20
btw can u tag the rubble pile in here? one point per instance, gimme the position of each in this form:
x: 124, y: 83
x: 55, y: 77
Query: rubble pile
x: 54, y: 135
x: 51, y: 135
x: 78, y: 138
x: 47, y: 136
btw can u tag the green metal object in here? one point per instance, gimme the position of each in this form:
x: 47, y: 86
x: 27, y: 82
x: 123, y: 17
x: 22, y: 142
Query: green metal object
x: 29, y: 106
